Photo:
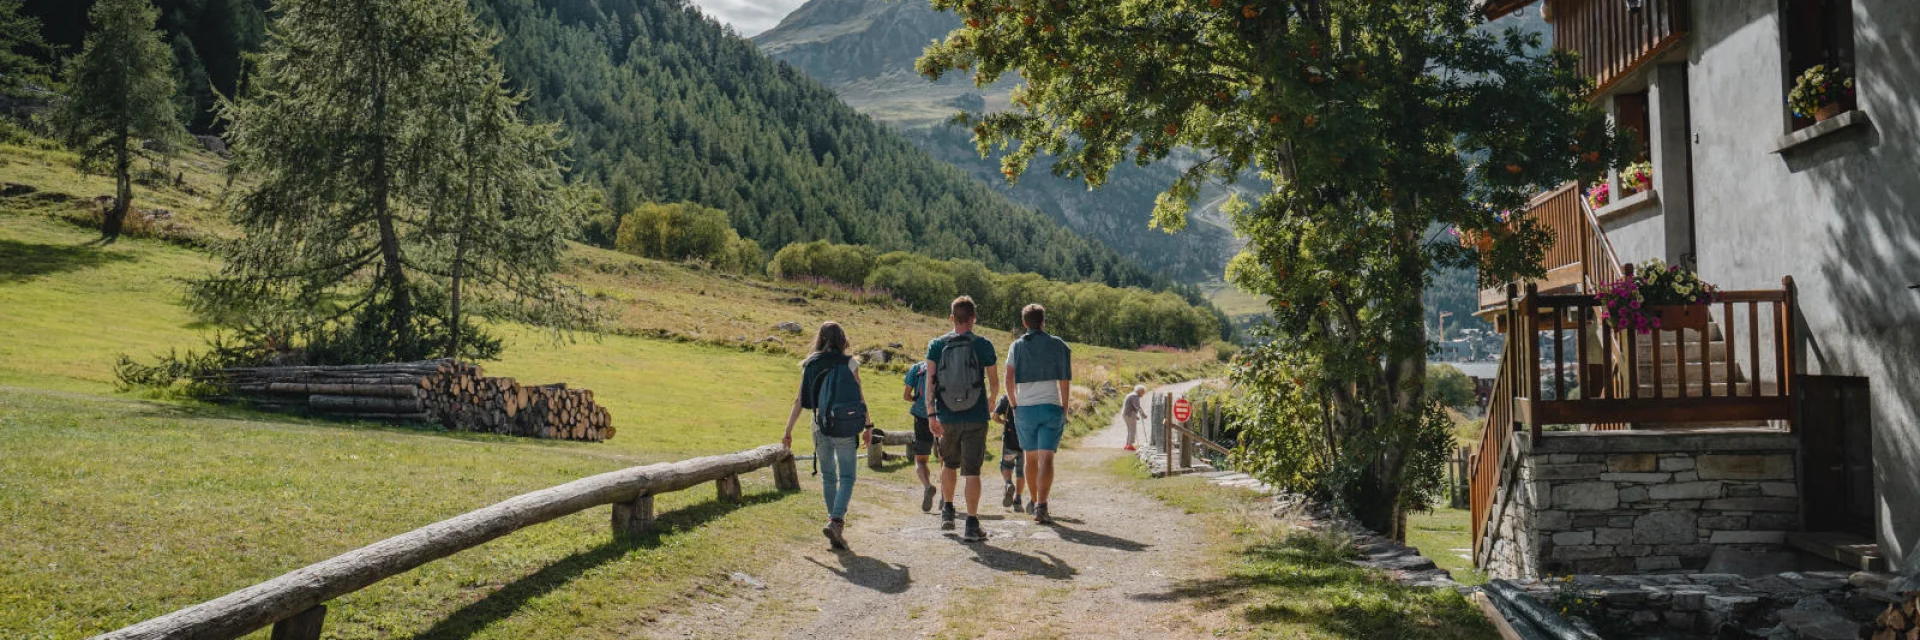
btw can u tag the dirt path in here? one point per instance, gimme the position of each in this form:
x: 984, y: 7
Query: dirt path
x: 1092, y: 575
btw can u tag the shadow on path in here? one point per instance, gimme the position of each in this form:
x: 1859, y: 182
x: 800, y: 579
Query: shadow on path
x: 1092, y: 539
x: 1045, y: 565
x: 500, y: 604
x: 21, y: 261
x: 872, y: 573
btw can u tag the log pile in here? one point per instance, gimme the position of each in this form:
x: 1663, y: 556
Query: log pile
x: 1901, y: 621
x: 456, y: 395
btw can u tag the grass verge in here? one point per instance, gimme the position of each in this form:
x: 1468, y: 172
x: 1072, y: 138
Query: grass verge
x: 1279, y: 581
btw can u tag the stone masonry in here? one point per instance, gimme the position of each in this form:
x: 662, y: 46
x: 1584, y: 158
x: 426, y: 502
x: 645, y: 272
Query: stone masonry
x: 1640, y: 502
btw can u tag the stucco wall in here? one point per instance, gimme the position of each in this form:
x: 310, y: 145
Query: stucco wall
x: 1841, y: 215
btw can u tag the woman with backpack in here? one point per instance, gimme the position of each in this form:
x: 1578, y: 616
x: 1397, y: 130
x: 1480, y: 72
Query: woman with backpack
x: 830, y: 386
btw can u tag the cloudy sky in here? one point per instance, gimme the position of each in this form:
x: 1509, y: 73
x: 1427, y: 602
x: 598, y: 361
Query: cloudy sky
x: 749, y: 17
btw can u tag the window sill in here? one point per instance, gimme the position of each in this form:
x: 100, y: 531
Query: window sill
x: 1819, y: 130
x: 1626, y: 205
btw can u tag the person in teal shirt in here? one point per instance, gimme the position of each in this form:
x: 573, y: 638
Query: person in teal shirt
x: 961, y: 410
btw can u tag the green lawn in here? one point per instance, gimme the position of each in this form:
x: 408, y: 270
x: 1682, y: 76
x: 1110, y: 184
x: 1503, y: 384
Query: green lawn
x: 119, y: 510
x: 1444, y: 535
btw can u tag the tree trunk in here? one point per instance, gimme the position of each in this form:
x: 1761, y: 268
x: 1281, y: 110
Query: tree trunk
x: 453, y: 322
x: 122, y: 190
x: 400, y: 316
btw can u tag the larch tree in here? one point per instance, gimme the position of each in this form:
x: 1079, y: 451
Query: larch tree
x: 383, y: 176
x: 118, y: 104
x: 1376, y: 121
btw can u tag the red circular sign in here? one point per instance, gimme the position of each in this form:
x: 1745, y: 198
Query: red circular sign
x: 1182, y: 409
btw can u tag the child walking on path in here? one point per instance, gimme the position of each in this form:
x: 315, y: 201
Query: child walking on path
x: 922, y: 446
x: 964, y: 376
x: 1013, y: 461
x: 830, y: 386
x: 1040, y: 377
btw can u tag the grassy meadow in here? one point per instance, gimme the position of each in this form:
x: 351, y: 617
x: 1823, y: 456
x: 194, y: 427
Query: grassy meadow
x: 124, y: 505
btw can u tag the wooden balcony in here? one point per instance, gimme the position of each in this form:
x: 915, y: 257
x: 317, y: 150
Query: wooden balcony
x: 1613, y: 38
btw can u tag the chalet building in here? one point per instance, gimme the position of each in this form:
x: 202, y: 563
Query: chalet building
x: 1786, y: 422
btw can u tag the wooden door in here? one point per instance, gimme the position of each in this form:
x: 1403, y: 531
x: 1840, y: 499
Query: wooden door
x: 1836, y: 445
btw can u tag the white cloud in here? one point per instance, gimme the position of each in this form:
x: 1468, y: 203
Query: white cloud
x: 749, y: 17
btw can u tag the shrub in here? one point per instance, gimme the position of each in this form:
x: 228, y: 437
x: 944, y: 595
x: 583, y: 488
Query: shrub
x: 677, y: 232
x: 923, y: 287
x: 846, y: 264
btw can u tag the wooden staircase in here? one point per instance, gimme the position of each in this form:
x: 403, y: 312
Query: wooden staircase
x: 1735, y: 373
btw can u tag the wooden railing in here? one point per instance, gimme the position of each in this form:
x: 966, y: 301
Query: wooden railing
x: 1580, y: 258
x: 1737, y: 368
x: 1490, y: 461
x: 1614, y: 40
x: 295, y: 603
x: 1204, y: 430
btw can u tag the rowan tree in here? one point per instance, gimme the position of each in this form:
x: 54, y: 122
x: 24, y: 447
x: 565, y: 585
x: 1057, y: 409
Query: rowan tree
x: 118, y: 104
x: 1377, y: 122
x: 382, y: 176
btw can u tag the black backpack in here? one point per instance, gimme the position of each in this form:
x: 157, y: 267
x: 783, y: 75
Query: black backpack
x: 958, y: 379
x: 838, y: 410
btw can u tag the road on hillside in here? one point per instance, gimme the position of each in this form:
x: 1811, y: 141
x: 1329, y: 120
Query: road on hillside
x: 1101, y: 572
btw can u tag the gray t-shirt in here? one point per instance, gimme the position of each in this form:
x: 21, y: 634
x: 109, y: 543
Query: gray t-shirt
x: 1131, y: 406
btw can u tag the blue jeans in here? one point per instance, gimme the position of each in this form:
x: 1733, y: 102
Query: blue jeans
x: 836, y: 456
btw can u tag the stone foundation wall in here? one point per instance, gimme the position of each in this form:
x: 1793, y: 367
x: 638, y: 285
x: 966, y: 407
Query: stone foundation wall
x: 1631, y: 502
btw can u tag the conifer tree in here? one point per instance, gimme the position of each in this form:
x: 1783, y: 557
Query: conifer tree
x: 383, y: 174
x: 20, y: 40
x: 119, y: 92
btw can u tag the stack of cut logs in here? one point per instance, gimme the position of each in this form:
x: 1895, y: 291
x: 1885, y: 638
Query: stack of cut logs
x: 454, y: 394
x: 1901, y: 621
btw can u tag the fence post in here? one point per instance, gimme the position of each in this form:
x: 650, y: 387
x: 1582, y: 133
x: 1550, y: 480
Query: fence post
x: 635, y: 517
x: 1186, y: 451
x: 302, y: 626
x: 786, y: 474
x: 876, y: 454
x: 729, y: 488
x: 1166, y: 433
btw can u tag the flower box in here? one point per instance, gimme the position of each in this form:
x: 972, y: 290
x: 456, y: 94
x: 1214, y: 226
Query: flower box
x: 1682, y: 316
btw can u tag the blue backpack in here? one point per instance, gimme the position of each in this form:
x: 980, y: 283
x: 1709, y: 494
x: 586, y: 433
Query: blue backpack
x: 838, y: 410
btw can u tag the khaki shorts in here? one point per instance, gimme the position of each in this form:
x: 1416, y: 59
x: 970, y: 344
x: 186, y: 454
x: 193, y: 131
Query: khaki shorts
x: 963, y: 446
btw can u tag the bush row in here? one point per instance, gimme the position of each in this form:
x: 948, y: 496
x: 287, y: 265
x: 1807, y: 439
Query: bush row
x: 1085, y: 312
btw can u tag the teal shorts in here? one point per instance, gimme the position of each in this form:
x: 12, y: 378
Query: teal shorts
x: 1039, y: 426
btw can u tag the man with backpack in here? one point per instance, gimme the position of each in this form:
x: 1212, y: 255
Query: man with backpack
x: 922, y: 446
x: 1040, y: 381
x: 963, y: 375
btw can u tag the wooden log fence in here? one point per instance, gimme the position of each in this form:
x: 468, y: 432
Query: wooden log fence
x: 295, y: 603
x: 877, y: 454
x: 1180, y: 441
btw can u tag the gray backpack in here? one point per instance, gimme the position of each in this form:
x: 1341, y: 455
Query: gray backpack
x: 958, y: 379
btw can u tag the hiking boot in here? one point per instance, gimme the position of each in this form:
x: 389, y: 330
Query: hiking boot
x: 1016, y: 505
x: 946, y: 516
x: 835, y: 531
x: 1129, y: 448
x: 1007, y: 497
x: 1030, y: 507
x: 974, y: 532
x: 926, y: 499
x: 1040, y: 515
